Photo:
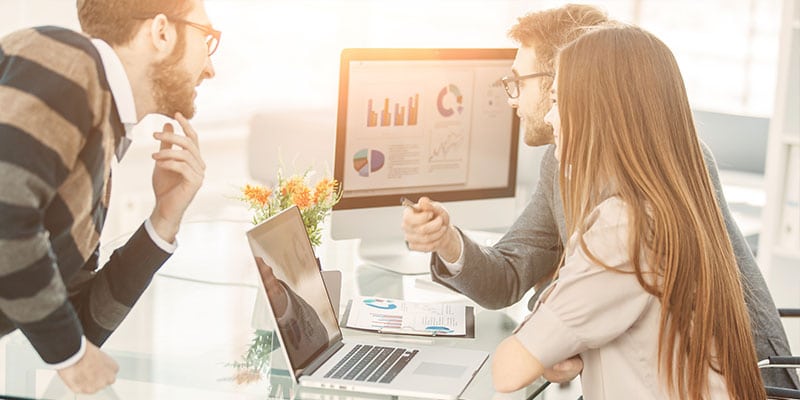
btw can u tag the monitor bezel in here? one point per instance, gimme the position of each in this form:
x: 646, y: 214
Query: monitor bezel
x: 397, y: 54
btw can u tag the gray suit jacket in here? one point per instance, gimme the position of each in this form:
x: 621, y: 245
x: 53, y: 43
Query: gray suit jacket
x: 498, y: 276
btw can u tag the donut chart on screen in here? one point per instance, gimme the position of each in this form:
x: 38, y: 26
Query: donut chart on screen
x: 367, y: 161
x: 453, y: 91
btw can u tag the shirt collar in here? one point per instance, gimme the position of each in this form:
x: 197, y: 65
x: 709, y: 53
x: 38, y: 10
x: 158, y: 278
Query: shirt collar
x: 121, y: 91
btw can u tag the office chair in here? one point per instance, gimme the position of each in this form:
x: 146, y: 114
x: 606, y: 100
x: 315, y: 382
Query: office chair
x: 305, y: 136
x: 789, y: 362
x: 777, y: 393
x: 540, y: 390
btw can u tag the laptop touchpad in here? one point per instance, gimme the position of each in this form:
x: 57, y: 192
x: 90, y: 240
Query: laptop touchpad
x: 435, y: 369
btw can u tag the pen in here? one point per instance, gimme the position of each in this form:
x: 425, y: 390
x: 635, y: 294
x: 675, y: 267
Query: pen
x: 408, y: 203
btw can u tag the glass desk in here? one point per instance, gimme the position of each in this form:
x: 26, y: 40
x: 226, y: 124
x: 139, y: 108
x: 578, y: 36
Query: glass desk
x: 195, y: 320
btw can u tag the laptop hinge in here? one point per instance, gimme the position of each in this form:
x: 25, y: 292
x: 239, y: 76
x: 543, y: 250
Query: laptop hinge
x: 322, y: 358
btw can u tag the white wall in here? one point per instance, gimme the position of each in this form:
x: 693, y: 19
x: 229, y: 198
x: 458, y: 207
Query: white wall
x: 284, y: 53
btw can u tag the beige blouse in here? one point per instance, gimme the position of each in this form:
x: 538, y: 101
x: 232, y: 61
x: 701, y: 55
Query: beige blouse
x: 604, y: 316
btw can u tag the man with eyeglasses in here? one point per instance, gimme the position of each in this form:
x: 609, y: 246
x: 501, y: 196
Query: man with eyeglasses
x: 69, y: 103
x: 529, y: 253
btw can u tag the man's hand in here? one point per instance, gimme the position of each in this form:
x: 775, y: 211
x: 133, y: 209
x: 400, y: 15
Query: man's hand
x: 564, y: 371
x: 427, y: 228
x: 93, y: 372
x: 177, y: 176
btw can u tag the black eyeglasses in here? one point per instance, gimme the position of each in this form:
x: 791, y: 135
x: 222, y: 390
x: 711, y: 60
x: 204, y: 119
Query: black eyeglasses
x: 212, y: 35
x: 511, y: 83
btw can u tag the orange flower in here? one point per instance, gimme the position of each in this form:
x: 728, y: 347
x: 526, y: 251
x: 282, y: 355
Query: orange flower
x: 257, y: 194
x: 302, y: 197
x: 295, y: 189
x: 314, y: 202
x: 292, y: 185
x: 323, y: 190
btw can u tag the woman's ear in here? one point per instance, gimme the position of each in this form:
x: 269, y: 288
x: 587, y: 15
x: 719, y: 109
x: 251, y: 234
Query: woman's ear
x: 162, y: 35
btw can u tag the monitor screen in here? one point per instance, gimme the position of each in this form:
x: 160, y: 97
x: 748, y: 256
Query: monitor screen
x: 422, y: 122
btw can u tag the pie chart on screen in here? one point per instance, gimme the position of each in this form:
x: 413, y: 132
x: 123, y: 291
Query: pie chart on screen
x: 367, y: 161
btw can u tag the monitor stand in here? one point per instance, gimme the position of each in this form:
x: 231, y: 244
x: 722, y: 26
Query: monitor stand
x: 392, y: 255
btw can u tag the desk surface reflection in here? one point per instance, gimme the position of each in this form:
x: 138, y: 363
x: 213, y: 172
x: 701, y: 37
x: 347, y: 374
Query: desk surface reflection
x: 195, y: 320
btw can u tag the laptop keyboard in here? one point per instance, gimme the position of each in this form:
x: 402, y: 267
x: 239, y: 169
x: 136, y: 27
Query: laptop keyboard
x: 371, y: 364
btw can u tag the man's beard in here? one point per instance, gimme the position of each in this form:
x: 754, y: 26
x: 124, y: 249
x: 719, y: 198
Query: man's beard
x: 173, y: 87
x: 536, y: 131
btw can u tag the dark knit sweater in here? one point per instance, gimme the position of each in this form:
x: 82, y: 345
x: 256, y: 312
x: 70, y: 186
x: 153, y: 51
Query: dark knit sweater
x: 58, y: 129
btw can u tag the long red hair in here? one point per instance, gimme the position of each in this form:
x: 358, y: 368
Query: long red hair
x: 626, y: 122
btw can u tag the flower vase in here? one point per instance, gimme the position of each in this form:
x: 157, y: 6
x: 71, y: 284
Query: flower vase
x: 255, y: 365
x: 260, y: 319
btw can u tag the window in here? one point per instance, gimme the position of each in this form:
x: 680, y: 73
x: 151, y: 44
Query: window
x: 727, y: 49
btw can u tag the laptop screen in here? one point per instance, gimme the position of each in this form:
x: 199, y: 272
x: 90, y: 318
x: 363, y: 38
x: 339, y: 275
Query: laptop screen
x: 297, y: 296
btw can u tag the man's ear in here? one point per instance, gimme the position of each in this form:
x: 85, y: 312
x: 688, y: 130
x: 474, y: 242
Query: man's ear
x: 162, y: 35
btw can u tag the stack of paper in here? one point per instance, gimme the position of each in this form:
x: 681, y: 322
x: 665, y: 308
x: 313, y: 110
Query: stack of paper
x: 396, y: 316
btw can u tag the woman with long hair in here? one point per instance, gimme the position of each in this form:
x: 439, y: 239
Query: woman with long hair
x: 649, y: 294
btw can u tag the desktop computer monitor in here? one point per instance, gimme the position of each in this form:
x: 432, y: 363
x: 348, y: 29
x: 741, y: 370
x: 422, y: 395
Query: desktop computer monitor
x: 422, y: 122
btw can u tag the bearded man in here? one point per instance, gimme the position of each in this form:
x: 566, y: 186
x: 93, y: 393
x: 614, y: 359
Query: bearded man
x: 69, y: 103
x: 530, y: 253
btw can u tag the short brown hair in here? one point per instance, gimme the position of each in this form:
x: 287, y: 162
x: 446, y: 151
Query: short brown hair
x: 549, y: 30
x: 115, y: 21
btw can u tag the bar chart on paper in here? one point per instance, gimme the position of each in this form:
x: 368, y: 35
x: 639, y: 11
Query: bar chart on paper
x: 397, y: 316
x: 383, y: 320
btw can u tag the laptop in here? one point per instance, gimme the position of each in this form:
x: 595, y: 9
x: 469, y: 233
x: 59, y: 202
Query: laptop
x: 309, y: 334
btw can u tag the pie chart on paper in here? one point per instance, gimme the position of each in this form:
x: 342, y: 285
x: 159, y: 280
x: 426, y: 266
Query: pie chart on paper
x: 367, y: 161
